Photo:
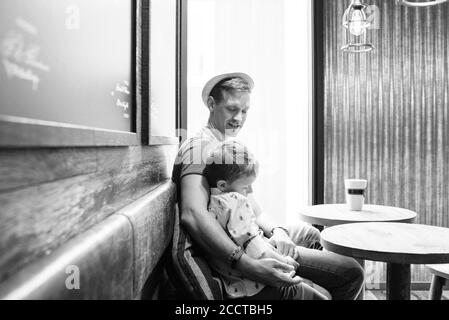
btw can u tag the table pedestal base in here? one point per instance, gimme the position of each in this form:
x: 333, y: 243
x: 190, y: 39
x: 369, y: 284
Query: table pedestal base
x: 398, y: 281
x: 361, y: 295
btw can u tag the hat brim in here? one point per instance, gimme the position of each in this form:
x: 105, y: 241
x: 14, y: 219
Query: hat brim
x: 215, y: 80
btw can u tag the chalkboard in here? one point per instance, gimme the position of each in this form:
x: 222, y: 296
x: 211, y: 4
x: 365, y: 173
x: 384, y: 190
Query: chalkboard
x: 68, y: 61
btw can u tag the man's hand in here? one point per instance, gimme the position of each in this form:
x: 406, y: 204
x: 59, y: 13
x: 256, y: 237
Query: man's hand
x: 268, y: 271
x: 282, y: 242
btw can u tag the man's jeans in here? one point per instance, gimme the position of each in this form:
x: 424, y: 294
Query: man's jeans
x: 342, y: 276
x: 302, y: 291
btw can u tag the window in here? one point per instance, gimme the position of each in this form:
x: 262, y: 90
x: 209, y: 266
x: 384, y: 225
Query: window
x: 268, y: 39
x: 163, y: 28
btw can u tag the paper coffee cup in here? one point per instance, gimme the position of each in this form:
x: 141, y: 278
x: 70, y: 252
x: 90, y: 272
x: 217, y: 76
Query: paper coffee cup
x: 355, y: 193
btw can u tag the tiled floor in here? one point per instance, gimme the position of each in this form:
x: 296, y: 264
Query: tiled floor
x: 415, y: 295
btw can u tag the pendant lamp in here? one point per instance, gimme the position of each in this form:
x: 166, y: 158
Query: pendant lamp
x: 356, y: 24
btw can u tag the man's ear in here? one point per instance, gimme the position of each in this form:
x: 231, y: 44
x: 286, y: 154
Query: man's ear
x: 211, y: 103
x: 222, y: 185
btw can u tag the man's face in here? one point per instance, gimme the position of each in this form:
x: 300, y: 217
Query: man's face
x: 229, y: 115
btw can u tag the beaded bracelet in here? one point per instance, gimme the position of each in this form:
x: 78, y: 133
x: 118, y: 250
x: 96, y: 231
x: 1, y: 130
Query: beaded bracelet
x: 282, y: 228
x: 235, y: 256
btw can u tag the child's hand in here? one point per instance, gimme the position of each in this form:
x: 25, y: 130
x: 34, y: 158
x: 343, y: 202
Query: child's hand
x: 296, y: 254
x: 282, y: 242
x: 289, y: 260
x: 274, y: 254
x: 292, y: 274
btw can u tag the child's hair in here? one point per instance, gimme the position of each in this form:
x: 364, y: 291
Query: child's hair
x: 230, y: 161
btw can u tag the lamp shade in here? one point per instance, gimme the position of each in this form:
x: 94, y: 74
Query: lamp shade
x: 421, y: 3
x: 356, y: 44
x: 355, y: 25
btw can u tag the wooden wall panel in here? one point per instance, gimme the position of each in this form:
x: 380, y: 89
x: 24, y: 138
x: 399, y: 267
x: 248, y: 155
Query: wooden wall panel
x: 386, y: 112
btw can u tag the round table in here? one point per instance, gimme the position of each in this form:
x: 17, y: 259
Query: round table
x: 336, y: 214
x: 397, y: 244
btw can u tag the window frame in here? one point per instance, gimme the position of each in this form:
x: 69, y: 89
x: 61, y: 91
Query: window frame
x: 180, y: 80
x: 317, y: 114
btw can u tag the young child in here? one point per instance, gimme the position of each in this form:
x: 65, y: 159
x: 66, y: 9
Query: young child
x: 230, y: 171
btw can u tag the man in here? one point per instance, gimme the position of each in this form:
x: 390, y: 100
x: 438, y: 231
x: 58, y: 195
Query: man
x: 227, y: 97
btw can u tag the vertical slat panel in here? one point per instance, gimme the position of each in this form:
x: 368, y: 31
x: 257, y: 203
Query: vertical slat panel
x: 386, y: 112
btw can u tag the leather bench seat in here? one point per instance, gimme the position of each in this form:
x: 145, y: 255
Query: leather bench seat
x: 114, y: 258
x: 152, y: 219
x: 103, y: 256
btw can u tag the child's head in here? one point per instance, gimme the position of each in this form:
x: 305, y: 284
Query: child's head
x: 231, y: 167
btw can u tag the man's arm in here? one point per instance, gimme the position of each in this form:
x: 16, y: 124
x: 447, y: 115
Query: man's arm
x: 206, y: 231
x: 212, y: 238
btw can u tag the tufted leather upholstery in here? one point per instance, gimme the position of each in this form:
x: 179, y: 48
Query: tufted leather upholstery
x: 152, y: 219
x: 103, y: 256
x: 114, y: 258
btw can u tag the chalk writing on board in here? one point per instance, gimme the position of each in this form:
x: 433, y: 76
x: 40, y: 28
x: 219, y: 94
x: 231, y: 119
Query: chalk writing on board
x: 73, y: 19
x: 153, y: 110
x: 123, y: 89
x: 122, y: 94
x: 20, y: 57
x: 26, y: 26
x: 14, y: 70
x: 15, y: 48
x: 123, y: 104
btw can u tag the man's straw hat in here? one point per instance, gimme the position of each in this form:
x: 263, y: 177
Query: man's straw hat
x: 215, y: 80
